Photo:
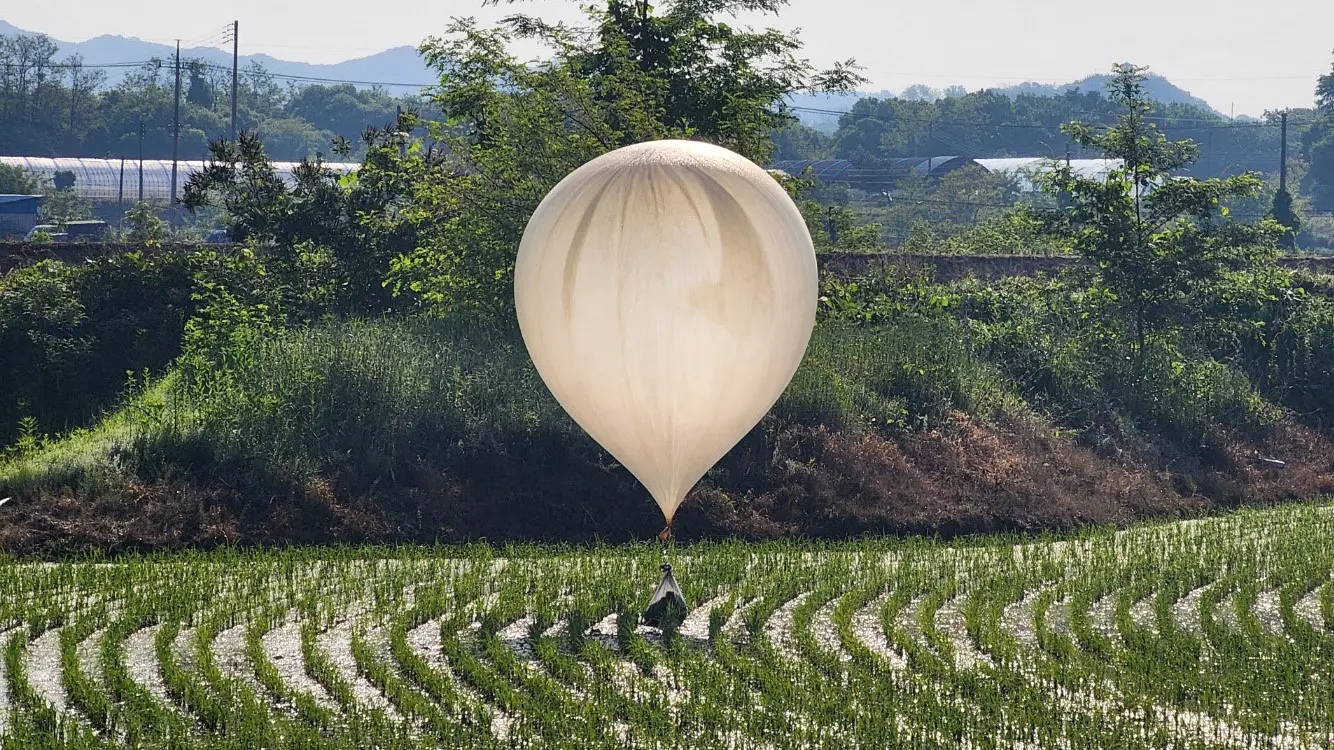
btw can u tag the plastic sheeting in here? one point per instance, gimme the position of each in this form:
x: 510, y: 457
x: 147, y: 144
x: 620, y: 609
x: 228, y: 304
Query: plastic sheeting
x: 117, y: 180
x: 666, y: 292
x: 667, y: 606
x: 1024, y: 169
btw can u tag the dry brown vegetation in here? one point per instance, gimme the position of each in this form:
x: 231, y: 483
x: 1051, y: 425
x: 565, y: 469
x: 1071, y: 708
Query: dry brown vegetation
x: 961, y: 478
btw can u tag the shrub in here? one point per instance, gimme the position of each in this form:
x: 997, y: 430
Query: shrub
x: 144, y: 226
x: 1294, y: 363
x: 70, y: 333
x: 375, y: 396
x: 892, y: 379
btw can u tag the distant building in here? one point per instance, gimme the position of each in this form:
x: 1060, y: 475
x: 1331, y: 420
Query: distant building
x: 875, y: 179
x: 18, y: 214
x: 117, y: 180
x: 1025, y: 169
x: 842, y: 171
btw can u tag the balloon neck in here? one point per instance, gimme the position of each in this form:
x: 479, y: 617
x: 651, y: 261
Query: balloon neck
x: 666, y: 533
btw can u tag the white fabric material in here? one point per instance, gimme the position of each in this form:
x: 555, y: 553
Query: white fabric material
x: 666, y: 292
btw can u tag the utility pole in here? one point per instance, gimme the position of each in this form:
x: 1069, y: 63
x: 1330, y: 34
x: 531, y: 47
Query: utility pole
x: 403, y: 140
x: 1063, y: 198
x: 141, y: 160
x: 1209, y: 157
x: 176, y: 134
x: 1283, y: 155
x: 236, y: 28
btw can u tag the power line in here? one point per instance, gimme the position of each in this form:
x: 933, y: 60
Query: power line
x: 1213, y: 124
x: 317, y: 79
x: 279, y: 76
x: 1176, y: 121
x: 218, y: 36
x: 163, y: 64
x: 86, y: 66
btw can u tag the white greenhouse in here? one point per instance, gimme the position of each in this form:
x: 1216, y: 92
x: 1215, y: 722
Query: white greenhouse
x: 117, y: 180
x: 1025, y: 169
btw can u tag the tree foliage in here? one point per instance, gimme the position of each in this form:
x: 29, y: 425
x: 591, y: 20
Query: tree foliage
x: 440, y: 222
x: 1324, y: 92
x: 15, y: 180
x: 335, y: 226
x: 1162, y: 243
x: 1318, y: 147
x: 990, y: 123
x: 1285, y: 214
x: 144, y: 227
x: 514, y: 129
x: 60, y: 107
x: 62, y: 206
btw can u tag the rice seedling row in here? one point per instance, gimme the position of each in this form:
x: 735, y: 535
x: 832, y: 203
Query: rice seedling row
x: 1206, y: 634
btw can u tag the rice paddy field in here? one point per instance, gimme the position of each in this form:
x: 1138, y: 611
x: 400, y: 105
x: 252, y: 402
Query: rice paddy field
x: 1213, y: 633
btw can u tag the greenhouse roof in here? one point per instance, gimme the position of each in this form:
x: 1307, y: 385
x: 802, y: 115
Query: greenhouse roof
x: 1039, y: 164
x: 842, y: 170
x: 112, y: 180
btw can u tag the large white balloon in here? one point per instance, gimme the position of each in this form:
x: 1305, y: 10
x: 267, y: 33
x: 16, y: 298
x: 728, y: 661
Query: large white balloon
x: 666, y: 292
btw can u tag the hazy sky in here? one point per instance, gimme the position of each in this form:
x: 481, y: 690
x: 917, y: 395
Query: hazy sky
x: 1251, y: 55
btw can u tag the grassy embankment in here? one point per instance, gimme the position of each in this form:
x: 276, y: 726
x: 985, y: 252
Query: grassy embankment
x: 935, y: 408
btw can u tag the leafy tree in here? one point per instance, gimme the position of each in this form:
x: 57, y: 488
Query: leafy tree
x: 1324, y: 92
x: 199, y: 92
x: 1162, y: 243
x: 989, y: 123
x: 28, y: 99
x: 62, y: 206
x: 343, y: 109
x: 965, y: 195
x: 445, y: 220
x: 323, y: 217
x: 919, y: 92
x: 144, y: 226
x: 914, y: 208
x: 1286, y: 215
x: 796, y: 141
x: 1319, y: 182
x: 837, y: 229
x: 15, y: 180
x: 259, y: 93
x: 1318, y: 145
x: 61, y: 107
x: 291, y: 138
x: 631, y: 74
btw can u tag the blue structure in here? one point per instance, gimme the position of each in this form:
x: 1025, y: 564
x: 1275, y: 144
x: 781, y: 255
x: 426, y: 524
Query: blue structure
x: 18, y: 213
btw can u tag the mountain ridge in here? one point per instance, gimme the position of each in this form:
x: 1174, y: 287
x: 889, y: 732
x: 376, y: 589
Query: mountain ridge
x: 1158, y: 88
x: 396, y: 65
x: 404, y: 70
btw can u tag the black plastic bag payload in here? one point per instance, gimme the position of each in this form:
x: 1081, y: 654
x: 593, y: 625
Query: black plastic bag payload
x: 668, y: 606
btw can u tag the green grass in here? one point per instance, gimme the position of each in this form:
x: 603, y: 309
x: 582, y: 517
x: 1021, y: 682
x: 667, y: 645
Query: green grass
x: 379, y: 397
x: 1018, y: 661
x: 96, y: 457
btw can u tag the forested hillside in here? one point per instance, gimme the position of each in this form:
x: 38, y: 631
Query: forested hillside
x: 54, y: 106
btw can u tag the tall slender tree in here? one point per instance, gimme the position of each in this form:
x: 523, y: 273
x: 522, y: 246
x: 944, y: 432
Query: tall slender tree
x: 1160, y: 241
